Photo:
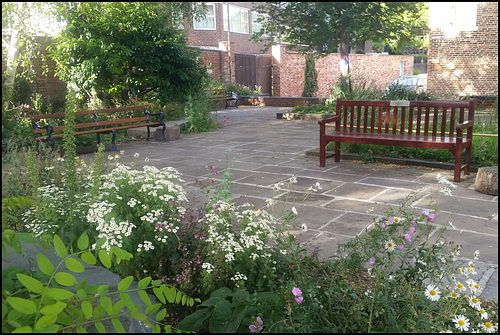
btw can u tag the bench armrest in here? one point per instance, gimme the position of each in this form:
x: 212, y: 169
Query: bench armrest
x: 330, y: 119
x: 467, y: 124
x: 160, y: 115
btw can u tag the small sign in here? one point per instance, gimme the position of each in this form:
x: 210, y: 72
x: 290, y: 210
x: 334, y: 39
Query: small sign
x: 400, y: 103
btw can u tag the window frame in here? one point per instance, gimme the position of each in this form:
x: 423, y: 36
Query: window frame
x: 207, y: 16
x: 225, y: 19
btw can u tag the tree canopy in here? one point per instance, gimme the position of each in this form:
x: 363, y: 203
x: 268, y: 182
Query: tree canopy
x: 330, y: 27
x: 118, y: 49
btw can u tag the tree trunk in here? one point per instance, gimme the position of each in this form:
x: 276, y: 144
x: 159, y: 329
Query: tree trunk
x: 344, y: 56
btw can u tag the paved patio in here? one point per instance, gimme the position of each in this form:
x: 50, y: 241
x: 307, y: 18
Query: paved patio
x: 261, y: 151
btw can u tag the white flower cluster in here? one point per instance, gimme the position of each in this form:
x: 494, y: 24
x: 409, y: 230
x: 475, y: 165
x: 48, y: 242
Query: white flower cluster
x: 446, y: 189
x: 254, y: 226
x: 207, y: 266
x: 238, y: 276
x: 147, y: 245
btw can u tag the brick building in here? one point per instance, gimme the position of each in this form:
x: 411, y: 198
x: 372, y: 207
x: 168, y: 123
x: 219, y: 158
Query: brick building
x: 463, y: 49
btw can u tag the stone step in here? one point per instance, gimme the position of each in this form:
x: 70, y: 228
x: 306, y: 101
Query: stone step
x: 487, y: 180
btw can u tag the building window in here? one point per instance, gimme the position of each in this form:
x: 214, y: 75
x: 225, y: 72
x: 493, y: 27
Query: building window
x: 256, y: 25
x: 209, y: 22
x: 238, y: 19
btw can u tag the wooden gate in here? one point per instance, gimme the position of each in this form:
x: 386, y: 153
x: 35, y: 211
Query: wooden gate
x: 251, y: 70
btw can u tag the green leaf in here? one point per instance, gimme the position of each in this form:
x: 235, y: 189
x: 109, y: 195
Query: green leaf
x: 106, y: 304
x: 143, y: 283
x: 45, y: 321
x: 194, y: 321
x: 117, y: 308
x: 80, y: 329
x: 127, y: 301
x: 169, y: 293
x: 88, y: 258
x: 22, y: 305
x: 152, y: 308
x: 99, y: 312
x: 83, y: 242
x: 100, y: 327
x: 44, y: 264
x: 160, y: 315
x: 159, y: 294
x: 81, y: 294
x: 81, y: 284
x: 145, y: 297
x: 100, y: 242
x: 183, y: 301
x: 104, y: 258
x: 87, y: 309
x: 138, y: 316
x: 103, y: 289
x: 60, y: 247
x: 25, y: 329
x: 56, y: 308
x: 59, y: 294
x: 30, y: 283
x: 65, y: 279
x: 73, y: 265
x: 118, y: 325
x: 219, y: 321
x: 124, y: 284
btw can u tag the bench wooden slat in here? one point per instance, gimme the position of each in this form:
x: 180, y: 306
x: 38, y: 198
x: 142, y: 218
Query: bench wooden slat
x: 117, y: 124
x: 422, y: 124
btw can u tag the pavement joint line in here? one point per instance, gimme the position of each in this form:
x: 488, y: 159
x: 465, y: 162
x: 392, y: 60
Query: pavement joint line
x: 464, y: 215
x: 440, y: 226
x: 332, y: 220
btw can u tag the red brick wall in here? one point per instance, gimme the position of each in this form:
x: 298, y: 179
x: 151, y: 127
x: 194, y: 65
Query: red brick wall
x: 288, y: 71
x: 468, y: 63
x: 240, y: 42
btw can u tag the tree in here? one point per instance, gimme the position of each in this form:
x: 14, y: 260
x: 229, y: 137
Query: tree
x: 310, y: 77
x: 116, y: 49
x: 21, y: 23
x: 330, y: 26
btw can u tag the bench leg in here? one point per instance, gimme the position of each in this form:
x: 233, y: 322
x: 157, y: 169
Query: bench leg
x: 113, y: 145
x: 458, y: 166
x: 468, y: 160
x: 337, y: 152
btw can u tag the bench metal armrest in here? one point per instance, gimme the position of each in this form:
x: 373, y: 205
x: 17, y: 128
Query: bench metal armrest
x: 160, y: 115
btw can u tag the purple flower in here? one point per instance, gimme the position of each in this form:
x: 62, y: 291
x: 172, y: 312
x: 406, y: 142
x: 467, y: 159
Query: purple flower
x: 401, y: 246
x: 430, y: 217
x: 372, y: 260
x: 296, y: 291
x: 411, y: 231
x: 255, y: 328
x: 391, y: 220
x: 407, y: 237
x: 299, y: 300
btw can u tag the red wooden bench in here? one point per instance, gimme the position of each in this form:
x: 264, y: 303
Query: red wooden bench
x: 419, y: 124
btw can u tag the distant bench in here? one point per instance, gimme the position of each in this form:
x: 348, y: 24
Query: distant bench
x: 419, y: 124
x: 221, y: 94
x: 95, y: 124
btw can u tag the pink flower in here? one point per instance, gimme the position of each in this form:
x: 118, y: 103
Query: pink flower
x: 430, y: 218
x: 401, y: 246
x: 411, y: 231
x: 407, y: 237
x: 372, y: 260
x: 412, y: 223
x: 299, y: 300
x: 296, y: 291
x: 255, y: 328
x: 391, y: 220
x: 383, y: 225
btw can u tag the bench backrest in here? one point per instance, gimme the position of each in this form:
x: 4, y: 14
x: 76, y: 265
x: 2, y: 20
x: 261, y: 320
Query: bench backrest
x: 427, y: 118
x: 94, y: 113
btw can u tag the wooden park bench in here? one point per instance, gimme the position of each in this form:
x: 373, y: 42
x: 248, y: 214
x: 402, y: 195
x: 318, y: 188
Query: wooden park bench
x: 221, y: 94
x: 96, y: 124
x: 419, y: 124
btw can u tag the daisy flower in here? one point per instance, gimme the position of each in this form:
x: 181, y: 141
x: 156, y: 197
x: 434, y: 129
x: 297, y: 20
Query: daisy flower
x: 459, y: 286
x: 303, y: 227
x: 294, y: 211
x: 476, y: 255
x: 484, y: 314
x: 461, y: 322
x: 454, y: 295
x: 474, y: 302
x: 488, y: 327
x: 432, y: 293
x: 389, y: 245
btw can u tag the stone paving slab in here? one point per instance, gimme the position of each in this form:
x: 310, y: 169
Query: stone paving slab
x: 265, y: 151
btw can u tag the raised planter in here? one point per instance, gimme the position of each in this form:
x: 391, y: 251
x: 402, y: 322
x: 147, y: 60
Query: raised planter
x: 262, y: 100
x: 302, y: 116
